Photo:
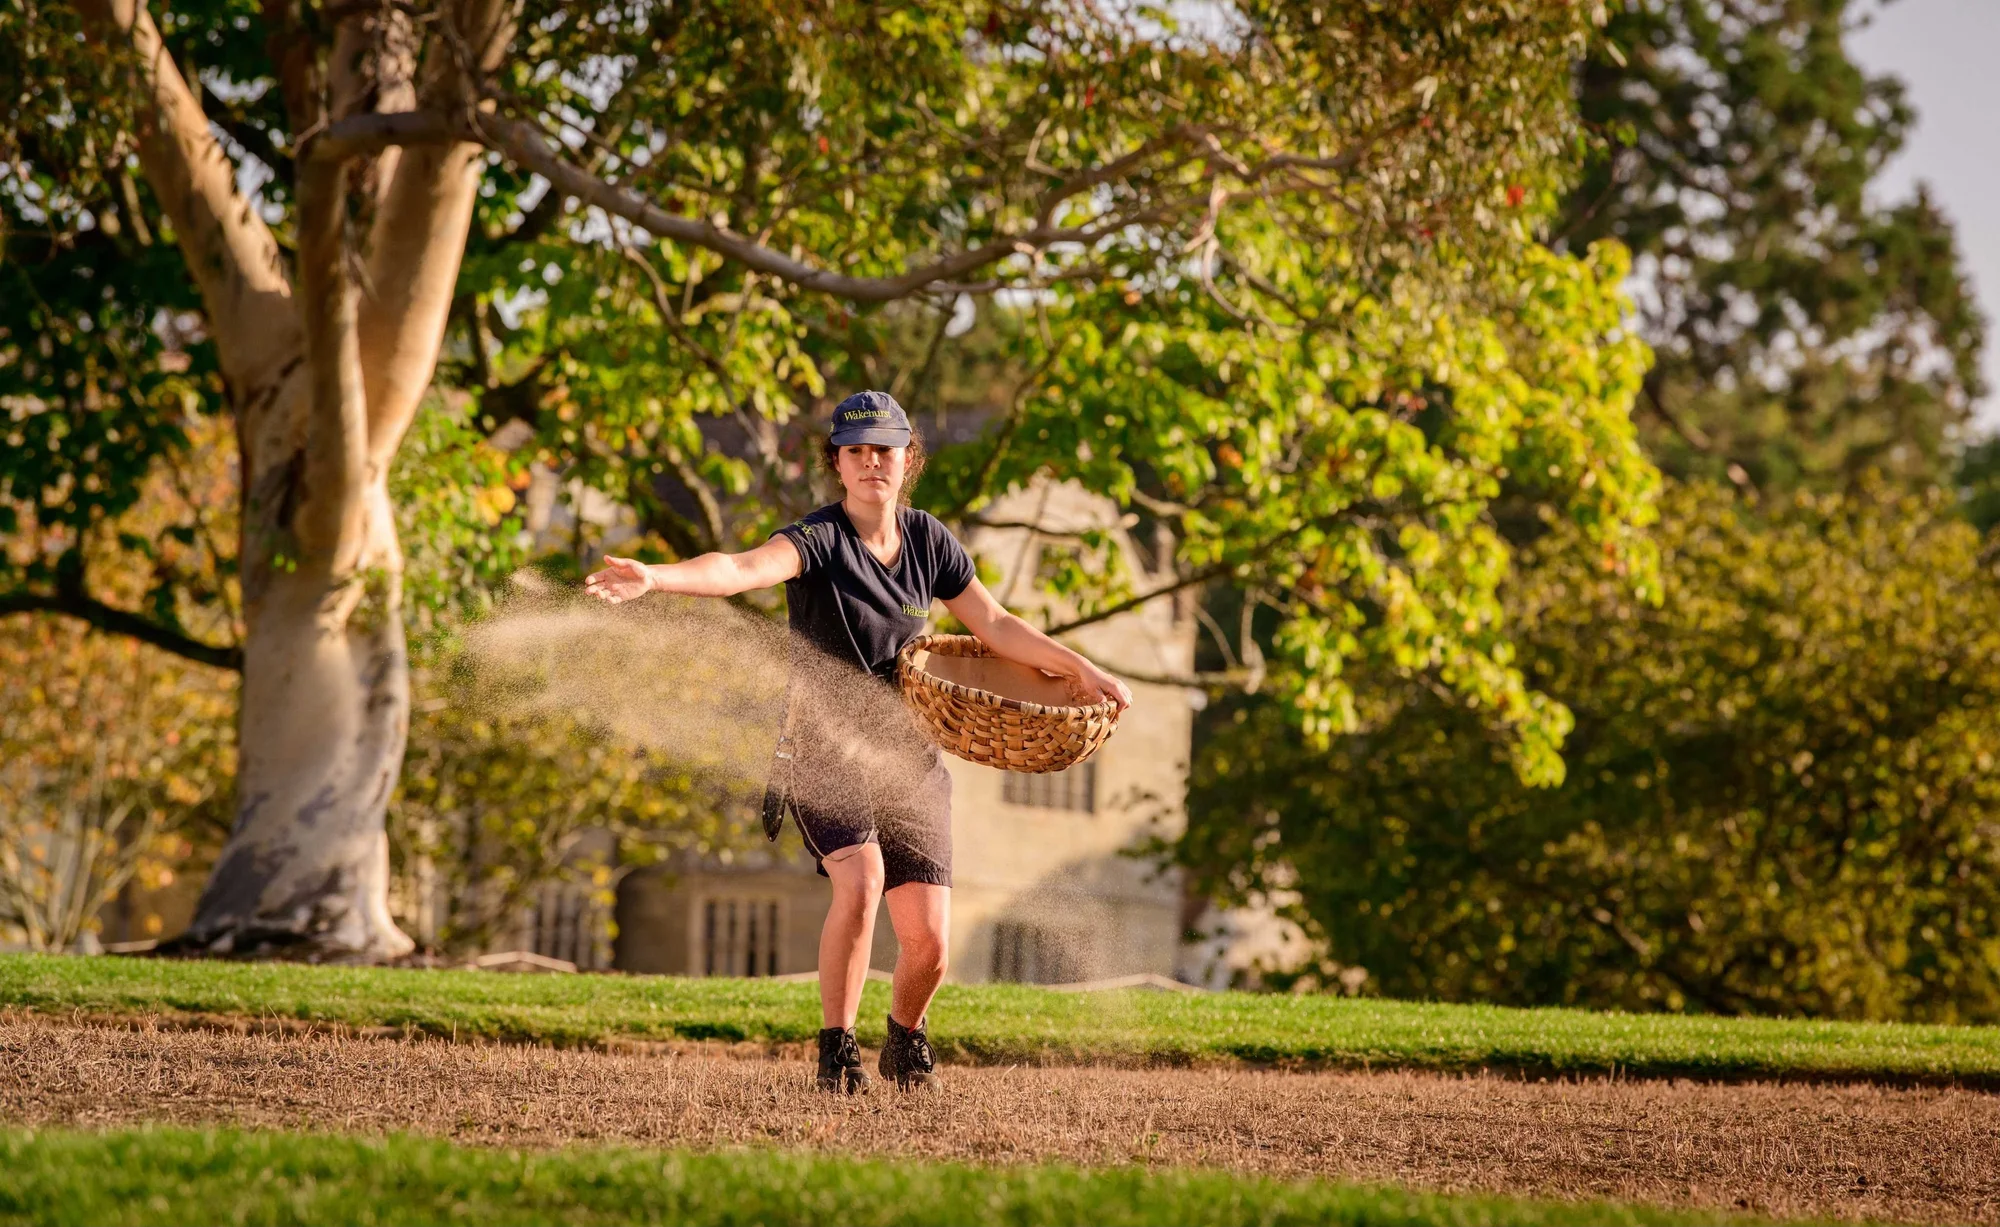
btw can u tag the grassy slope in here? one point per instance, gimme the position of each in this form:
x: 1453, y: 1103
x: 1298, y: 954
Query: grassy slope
x: 1007, y: 1022
x: 187, y: 1176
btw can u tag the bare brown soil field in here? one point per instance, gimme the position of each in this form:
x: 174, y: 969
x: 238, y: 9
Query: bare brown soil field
x: 1818, y: 1152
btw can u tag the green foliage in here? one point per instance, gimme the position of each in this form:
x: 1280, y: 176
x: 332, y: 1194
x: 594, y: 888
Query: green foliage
x: 1805, y: 334
x: 782, y: 121
x: 115, y: 756
x: 1006, y: 1022
x: 102, y: 366
x: 1298, y: 235
x: 1324, y: 401
x: 454, y: 497
x: 1342, y: 458
x: 1978, y: 483
x: 114, y: 759
x: 1781, y: 795
x: 1803, y: 337
x: 185, y: 1175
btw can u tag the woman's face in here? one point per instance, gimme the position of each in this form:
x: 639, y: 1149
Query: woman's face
x: 872, y: 474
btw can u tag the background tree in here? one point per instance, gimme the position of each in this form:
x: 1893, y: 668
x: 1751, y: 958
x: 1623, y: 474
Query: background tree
x: 1804, y: 333
x: 1978, y: 483
x: 110, y: 753
x: 1804, y: 337
x: 115, y: 756
x: 1780, y: 796
x: 274, y: 211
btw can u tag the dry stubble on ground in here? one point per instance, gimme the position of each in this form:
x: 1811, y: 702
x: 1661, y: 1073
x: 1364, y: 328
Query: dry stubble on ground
x: 1925, y: 1155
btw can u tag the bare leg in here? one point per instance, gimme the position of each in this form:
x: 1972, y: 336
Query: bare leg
x: 844, y: 942
x: 921, y: 914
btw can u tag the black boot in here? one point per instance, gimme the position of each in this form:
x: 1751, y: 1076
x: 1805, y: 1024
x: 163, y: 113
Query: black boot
x: 840, y: 1062
x: 907, y: 1059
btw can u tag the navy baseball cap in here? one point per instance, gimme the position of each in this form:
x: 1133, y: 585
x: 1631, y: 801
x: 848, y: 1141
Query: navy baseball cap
x: 870, y: 417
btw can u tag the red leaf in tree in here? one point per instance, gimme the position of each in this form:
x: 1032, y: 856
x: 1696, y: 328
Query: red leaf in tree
x: 1089, y: 94
x: 1515, y: 195
x: 822, y: 144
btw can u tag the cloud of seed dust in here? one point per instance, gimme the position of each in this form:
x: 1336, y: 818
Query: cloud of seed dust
x: 704, y: 685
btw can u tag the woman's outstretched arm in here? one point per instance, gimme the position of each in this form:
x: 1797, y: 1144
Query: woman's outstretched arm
x: 624, y: 579
x: 1013, y: 639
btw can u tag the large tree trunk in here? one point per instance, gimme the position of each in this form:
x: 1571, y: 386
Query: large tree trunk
x: 325, y: 710
x: 326, y: 701
x: 325, y: 381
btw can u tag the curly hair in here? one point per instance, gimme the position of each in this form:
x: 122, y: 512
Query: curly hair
x: 913, y: 464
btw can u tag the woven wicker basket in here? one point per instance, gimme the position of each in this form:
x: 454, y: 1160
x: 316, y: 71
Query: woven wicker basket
x: 995, y: 712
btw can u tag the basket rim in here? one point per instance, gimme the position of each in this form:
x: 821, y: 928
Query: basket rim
x: 906, y: 669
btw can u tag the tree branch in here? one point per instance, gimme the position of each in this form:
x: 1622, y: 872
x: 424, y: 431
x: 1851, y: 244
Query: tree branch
x: 291, y: 48
x: 1164, y: 508
x: 373, y: 131
x: 1213, y: 571
x: 1214, y: 630
x: 704, y: 498
x: 470, y: 310
x: 659, y: 516
x: 1193, y: 681
x: 254, y: 141
x: 417, y: 241
x: 1004, y: 439
x: 663, y: 303
x: 87, y: 609
x: 230, y: 252
x: 1045, y: 533
x: 335, y: 455
x: 1202, y: 576
x: 1689, y: 433
x: 1108, y: 172
x: 526, y: 145
x: 931, y: 352
x: 371, y: 68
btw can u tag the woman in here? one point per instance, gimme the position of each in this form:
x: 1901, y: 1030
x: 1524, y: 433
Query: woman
x: 860, y: 576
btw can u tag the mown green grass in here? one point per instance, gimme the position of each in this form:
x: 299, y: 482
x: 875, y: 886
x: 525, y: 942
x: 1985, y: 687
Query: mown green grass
x: 1009, y: 1022
x: 178, y: 1176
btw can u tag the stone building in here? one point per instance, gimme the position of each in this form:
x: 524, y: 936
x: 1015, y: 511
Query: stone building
x: 1045, y: 888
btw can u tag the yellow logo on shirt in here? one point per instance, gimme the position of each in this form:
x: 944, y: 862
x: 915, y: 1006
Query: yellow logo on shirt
x: 916, y: 611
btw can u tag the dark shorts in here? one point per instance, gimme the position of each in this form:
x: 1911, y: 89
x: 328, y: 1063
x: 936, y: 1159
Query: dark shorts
x: 910, y: 820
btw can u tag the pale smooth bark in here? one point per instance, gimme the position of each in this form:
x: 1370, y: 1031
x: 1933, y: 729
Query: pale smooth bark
x: 325, y: 680
x: 325, y: 714
x: 325, y: 371
x: 230, y: 252
x: 421, y: 221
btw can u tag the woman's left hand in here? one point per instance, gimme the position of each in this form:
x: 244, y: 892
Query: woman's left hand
x: 1094, y: 685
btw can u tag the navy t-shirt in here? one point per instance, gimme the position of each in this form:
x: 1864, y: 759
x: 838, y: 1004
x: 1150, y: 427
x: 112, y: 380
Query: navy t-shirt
x: 848, y: 605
